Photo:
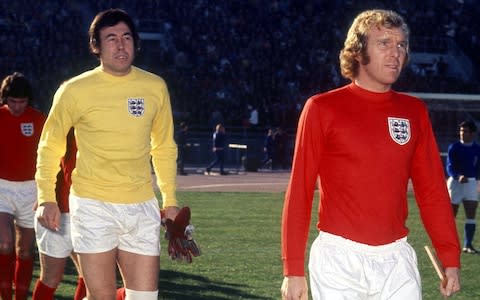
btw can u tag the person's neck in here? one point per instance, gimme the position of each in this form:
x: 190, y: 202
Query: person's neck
x: 380, y: 88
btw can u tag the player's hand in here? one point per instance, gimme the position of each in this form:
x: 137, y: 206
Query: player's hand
x: 179, y: 233
x: 462, y: 179
x: 170, y: 212
x: 294, y: 288
x: 452, y: 284
x: 48, y: 214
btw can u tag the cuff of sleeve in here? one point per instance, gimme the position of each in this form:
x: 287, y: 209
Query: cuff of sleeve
x: 168, y: 200
x: 293, y: 268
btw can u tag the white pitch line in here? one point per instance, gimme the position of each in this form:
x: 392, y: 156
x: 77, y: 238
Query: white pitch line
x: 205, y: 186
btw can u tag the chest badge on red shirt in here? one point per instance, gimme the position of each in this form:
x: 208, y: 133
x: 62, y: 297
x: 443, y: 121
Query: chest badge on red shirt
x: 136, y: 106
x: 26, y: 129
x: 399, y: 129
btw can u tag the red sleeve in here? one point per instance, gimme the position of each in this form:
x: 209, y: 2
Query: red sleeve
x: 64, y: 177
x: 299, y: 196
x: 433, y: 200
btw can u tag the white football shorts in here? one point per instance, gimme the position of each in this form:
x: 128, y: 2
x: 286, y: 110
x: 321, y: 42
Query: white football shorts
x: 53, y: 243
x: 462, y: 191
x: 99, y: 226
x: 342, y: 269
x: 17, y: 198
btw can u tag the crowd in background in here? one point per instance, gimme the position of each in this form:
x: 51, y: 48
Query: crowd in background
x: 221, y: 57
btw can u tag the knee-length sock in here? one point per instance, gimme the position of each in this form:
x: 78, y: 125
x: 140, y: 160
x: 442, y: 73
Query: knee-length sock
x: 7, y: 265
x: 23, y: 277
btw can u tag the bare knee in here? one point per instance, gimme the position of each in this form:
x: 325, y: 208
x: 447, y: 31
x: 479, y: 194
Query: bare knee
x: 51, y: 270
x: 25, y: 252
x: 6, y: 247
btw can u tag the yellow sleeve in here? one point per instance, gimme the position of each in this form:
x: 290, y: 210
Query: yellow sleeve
x: 164, y: 150
x: 51, y: 147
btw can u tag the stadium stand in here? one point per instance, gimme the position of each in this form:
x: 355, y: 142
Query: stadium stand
x: 223, y: 56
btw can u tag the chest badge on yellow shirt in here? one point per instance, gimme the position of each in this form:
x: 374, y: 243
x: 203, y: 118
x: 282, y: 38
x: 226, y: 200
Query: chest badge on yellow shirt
x: 136, y: 106
x: 27, y: 129
x: 399, y: 129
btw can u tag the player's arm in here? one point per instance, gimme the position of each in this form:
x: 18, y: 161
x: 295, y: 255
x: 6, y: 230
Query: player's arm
x: 299, y: 196
x: 51, y: 148
x: 164, y: 151
x: 432, y: 197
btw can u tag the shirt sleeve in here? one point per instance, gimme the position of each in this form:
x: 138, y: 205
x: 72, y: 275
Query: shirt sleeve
x: 432, y: 197
x: 51, y: 147
x: 299, y: 196
x: 164, y: 150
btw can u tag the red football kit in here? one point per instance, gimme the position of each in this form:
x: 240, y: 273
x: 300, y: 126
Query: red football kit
x: 364, y: 147
x: 19, y: 138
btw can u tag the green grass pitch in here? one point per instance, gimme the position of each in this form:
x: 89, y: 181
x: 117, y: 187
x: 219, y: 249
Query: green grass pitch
x: 239, y: 235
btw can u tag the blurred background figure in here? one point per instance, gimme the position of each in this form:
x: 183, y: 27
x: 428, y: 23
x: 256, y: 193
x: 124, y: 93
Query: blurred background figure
x: 463, y: 167
x: 281, y: 149
x: 268, y: 150
x: 181, y: 139
x: 219, y: 142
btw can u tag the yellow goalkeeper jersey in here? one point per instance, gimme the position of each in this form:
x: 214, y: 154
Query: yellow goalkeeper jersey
x: 122, y: 124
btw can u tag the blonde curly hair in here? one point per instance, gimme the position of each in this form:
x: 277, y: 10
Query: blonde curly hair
x: 355, y: 45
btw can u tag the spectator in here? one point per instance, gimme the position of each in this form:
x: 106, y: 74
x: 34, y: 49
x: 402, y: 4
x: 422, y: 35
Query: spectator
x: 280, y: 140
x: 181, y: 139
x: 219, y: 142
x: 268, y: 150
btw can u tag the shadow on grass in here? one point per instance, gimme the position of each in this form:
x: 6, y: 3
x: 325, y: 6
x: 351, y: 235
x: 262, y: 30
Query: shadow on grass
x: 179, y: 285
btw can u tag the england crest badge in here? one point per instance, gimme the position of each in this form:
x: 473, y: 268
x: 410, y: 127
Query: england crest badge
x: 136, y: 106
x: 399, y: 129
x: 26, y: 129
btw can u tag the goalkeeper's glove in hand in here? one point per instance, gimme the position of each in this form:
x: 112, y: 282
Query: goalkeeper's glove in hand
x: 179, y: 233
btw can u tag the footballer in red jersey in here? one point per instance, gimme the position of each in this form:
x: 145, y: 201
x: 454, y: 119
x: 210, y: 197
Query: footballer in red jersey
x: 21, y: 126
x: 363, y: 143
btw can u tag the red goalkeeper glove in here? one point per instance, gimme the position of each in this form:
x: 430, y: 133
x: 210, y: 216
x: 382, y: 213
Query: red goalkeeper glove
x: 179, y: 233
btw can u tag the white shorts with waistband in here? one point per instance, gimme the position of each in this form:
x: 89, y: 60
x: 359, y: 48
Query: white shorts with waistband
x: 462, y: 191
x: 53, y: 243
x: 342, y: 269
x: 17, y: 198
x: 99, y: 226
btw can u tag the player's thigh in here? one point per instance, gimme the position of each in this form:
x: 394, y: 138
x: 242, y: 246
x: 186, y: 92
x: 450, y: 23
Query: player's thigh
x: 7, y: 236
x: 76, y: 262
x: 99, y: 273
x: 470, y: 207
x: 140, y: 272
x: 51, y: 269
x: 455, y: 190
x: 25, y: 241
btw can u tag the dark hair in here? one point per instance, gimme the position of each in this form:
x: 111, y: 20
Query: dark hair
x: 468, y: 124
x: 107, y: 18
x: 17, y: 86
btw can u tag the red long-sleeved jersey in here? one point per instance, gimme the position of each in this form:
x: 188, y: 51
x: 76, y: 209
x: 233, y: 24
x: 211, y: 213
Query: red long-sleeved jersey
x: 19, y: 138
x: 64, y: 177
x: 364, y: 147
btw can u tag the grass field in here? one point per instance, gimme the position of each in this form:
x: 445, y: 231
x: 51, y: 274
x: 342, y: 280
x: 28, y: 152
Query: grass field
x: 239, y: 234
